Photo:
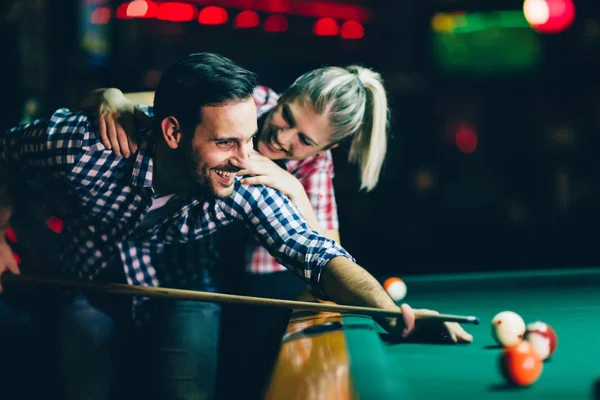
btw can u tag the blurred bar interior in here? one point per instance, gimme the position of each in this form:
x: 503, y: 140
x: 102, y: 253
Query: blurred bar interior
x: 495, y: 107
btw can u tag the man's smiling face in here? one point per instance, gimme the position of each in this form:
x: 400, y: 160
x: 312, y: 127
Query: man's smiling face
x: 221, y: 146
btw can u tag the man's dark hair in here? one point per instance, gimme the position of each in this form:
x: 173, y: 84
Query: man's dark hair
x: 199, y: 80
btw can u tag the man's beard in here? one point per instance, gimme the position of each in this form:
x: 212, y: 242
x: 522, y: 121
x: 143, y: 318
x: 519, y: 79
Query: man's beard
x: 203, y: 182
x: 200, y: 184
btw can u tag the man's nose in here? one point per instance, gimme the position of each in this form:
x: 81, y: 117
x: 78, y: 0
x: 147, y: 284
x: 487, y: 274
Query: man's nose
x: 242, y: 157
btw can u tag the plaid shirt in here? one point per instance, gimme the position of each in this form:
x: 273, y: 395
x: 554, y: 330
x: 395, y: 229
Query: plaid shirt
x: 315, y: 174
x: 110, y: 195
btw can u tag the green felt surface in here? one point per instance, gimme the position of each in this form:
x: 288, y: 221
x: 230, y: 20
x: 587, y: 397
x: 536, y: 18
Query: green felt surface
x: 569, y: 302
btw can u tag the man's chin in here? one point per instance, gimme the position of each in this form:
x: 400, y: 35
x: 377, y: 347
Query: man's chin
x: 224, y: 192
x: 216, y: 190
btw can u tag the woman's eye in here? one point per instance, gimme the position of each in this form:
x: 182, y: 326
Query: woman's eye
x: 304, y: 141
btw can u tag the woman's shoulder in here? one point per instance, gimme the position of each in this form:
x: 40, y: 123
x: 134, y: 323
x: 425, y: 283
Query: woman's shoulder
x: 322, y: 162
x: 265, y: 99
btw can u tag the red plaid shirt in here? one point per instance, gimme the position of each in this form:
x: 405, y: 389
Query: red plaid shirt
x: 315, y: 174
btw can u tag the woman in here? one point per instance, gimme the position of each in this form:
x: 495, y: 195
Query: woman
x: 297, y: 132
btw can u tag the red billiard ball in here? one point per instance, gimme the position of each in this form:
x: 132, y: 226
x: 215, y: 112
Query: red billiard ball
x: 520, y: 364
x: 542, y: 337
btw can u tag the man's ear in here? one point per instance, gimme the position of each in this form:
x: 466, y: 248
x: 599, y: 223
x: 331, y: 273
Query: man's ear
x: 171, y: 132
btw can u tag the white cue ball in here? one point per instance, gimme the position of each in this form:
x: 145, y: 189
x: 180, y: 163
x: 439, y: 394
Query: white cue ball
x: 508, y: 328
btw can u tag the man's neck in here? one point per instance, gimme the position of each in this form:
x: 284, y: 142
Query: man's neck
x: 165, y: 177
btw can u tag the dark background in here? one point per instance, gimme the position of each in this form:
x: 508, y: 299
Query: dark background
x: 527, y: 197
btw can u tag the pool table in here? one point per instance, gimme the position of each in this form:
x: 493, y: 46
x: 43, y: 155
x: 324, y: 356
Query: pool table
x: 351, y: 357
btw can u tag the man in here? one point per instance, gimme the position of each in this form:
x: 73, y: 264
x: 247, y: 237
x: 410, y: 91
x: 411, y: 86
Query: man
x: 180, y: 186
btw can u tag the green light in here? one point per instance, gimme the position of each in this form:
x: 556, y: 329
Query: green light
x: 481, y: 21
x: 491, y: 42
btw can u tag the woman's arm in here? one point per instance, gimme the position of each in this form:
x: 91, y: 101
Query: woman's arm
x: 300, y: 199
x: 144, y: 98
x: 308, y: 212
x: 118, y: 116
x: 316, y: 175
x: 264, y: 171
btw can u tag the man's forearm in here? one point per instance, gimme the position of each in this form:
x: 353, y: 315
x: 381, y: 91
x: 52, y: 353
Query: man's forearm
x: 5, y: 203
x: 345, y: 282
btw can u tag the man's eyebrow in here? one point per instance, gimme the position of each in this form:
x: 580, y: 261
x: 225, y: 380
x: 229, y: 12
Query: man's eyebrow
x: 235, y: 139
x: 253, y: 135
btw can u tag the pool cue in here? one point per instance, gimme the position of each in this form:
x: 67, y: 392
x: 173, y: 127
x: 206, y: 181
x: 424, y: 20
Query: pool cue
x: 180, y: 294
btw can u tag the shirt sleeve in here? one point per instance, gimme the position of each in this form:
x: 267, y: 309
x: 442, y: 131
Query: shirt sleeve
x: 317, y: 179
x: 148, y: 110
x: 279, y: 227
x: 265, y: 99
x: 50, y: 145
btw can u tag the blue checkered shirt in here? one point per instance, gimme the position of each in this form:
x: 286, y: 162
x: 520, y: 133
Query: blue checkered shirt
x: 109, y: 196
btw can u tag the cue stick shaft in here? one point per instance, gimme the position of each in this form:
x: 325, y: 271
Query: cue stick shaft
x: 180, y: 294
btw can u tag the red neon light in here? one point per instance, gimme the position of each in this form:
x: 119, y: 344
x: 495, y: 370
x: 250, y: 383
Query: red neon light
x: 304, y: 8
x: 100, y: 16
x: 561, y: 14
x: 137, y: 9
x: 352, y: 30
x: 11, y: 235
x: 277, y: 6
x: 466, y: 139
x: 176, y: 12
x: 326, y: 27
x: 276, y: 23
x: 337, y: 11
x: 55, y: 224
x: 212, y: 15
x: 247, y: 19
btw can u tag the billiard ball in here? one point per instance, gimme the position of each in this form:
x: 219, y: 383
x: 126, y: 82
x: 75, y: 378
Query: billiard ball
x: 520, y: 364
x: 395, y: 287
x: 508, y: 328
x: 542, y: 337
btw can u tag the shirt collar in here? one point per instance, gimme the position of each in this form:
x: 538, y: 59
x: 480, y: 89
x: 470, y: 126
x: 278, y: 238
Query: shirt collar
x: 143, y: 167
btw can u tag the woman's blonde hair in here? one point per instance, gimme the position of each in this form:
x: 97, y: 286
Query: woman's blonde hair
x: 355, y: 101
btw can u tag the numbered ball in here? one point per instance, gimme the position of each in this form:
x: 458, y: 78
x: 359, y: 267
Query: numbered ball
x: 542, y: 337
x: 508, y: 328
x: 520, y: 364
x: 396, y: 288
